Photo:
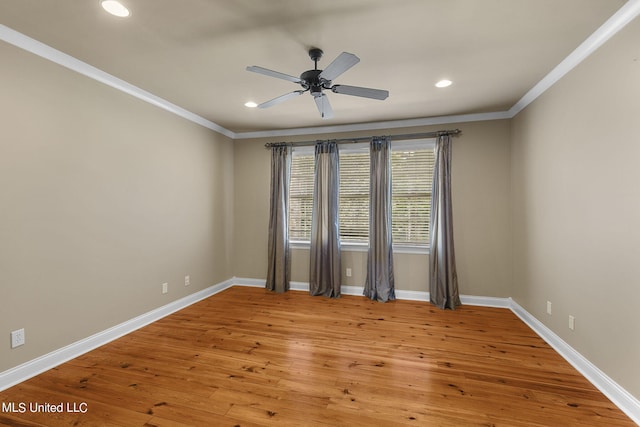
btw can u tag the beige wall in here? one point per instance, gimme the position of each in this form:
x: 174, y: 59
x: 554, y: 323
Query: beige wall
x: 481, y: 214
x: 576, y: 207
x: 102, y: 199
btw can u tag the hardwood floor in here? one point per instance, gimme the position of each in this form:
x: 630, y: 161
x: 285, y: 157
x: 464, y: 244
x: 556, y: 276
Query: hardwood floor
x: 247, y: 357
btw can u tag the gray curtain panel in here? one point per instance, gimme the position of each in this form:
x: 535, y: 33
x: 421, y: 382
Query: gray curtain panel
x: 324, y: 265
x: 279, y: 261
x: 380, y: 283
x: 443, y: 286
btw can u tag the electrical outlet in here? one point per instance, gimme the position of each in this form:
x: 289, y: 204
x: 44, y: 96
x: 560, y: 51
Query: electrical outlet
x: 572, y: 322
x: 187, y: 280
x: 348, y: 272
x: 548, y: 307
x: 17, y: 338
x: 165, y: 288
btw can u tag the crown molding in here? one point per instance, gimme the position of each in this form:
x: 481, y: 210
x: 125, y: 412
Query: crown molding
x: 47, y: 52
x: 615, y: 23
x: 391, y: 124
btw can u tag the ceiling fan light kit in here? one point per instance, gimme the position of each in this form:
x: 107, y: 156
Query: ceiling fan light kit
x: 316, y: 81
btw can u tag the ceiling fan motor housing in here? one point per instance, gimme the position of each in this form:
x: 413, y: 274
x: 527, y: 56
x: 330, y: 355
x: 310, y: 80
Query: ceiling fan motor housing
x: 311, y: 80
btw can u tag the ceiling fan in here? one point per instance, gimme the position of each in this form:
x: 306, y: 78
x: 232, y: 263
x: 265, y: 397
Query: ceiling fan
x: 315, y: 81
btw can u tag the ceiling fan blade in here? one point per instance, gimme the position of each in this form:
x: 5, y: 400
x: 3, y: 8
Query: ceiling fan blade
x: 271, y: 73
x: 281, y: 98
x: 342, y: 63
x: 364, y: 92
x: 322, y: 102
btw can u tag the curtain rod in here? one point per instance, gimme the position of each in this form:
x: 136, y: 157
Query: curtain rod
x: 453, y: 132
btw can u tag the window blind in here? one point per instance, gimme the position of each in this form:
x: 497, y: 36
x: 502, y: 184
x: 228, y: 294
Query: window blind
x: 354, y: 196
x: 300, y: 197
x: 412, y: 174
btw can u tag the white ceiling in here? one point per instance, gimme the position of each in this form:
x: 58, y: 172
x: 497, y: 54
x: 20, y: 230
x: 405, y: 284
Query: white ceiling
x: 193, y: 53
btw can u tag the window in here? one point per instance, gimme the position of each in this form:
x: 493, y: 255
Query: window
x: 300, y: 195
x: 411, y: 178
x: 354, y: 194
x: 412, y: 171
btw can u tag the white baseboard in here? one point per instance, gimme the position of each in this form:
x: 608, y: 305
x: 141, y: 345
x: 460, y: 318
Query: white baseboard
x: 43, y: 363
x: 400, y: 294
x: 299, y: 286
x: 345, y: 290
x: 618, y: 395
x: 485, y: 301
x: 294, y: 286
x: 243, y: 281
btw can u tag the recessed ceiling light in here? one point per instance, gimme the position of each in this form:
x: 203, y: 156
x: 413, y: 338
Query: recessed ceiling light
x: 115, y: 8
x: 444, y: 83
x: 250, y: 104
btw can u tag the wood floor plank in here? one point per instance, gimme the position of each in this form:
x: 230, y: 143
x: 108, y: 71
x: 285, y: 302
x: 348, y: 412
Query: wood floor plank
x: 248, y: 357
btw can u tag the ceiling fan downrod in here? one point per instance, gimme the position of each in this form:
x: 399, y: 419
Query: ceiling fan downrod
x: 315, y: 54
x: 311, y: 78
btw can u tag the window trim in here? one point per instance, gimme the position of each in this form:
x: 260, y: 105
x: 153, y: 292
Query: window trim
x: 399, y: 145
x: 364, y: 247
x: 408, y: 145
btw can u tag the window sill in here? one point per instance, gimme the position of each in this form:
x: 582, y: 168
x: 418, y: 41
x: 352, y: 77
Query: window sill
x: 364, y: 247
x: 406, y: 249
